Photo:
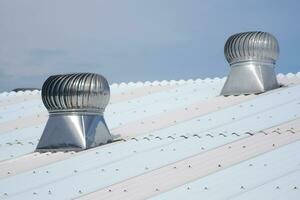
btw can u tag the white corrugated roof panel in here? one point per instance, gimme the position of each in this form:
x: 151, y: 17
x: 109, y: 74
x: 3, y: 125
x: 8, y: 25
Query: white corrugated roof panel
x: 180, y: 140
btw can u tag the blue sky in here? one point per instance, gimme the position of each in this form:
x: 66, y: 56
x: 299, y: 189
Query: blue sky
x: 135, y: 40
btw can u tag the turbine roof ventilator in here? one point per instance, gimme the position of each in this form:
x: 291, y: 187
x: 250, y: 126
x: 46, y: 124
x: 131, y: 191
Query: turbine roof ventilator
x: 252, y: 57
x: 75, y: 103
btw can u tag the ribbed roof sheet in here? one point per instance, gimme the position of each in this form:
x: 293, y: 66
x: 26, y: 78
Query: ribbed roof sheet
x: 177, y: 139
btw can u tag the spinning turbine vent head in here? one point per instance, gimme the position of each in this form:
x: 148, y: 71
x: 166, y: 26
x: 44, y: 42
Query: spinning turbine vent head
x: 252, y: 57
x: 76, y: 103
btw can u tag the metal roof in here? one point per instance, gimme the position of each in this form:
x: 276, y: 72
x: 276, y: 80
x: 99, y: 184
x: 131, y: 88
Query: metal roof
x: 177, y: 139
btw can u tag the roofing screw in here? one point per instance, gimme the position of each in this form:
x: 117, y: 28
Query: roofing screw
x: 188, y: 188
x: 79, y: 191
x: 295, y: 188
x: 242, y: 188
x: 219, y: 165
x: 109, y: 190
x: 205, y: 188
x: 75, y: 171
x: 277, y: 187
x: 190, y: 166
x: 124, y: 190
x: 49, y: 192
x: 157, y: 189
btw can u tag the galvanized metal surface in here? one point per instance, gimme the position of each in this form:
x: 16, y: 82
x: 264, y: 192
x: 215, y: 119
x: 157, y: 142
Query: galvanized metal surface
x: 252, y: 57
x: 196, y: 132
x: 74, y: 132
x: 84, y: 92
x: 251, y: 46
x: 75, y: 103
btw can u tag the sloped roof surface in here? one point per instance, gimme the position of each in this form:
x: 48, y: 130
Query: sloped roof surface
x: 177, y: 139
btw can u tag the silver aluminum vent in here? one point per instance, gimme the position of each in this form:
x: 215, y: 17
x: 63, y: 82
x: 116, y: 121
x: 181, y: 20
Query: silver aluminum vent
x: 252, y: 57
x: 75, y: 103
